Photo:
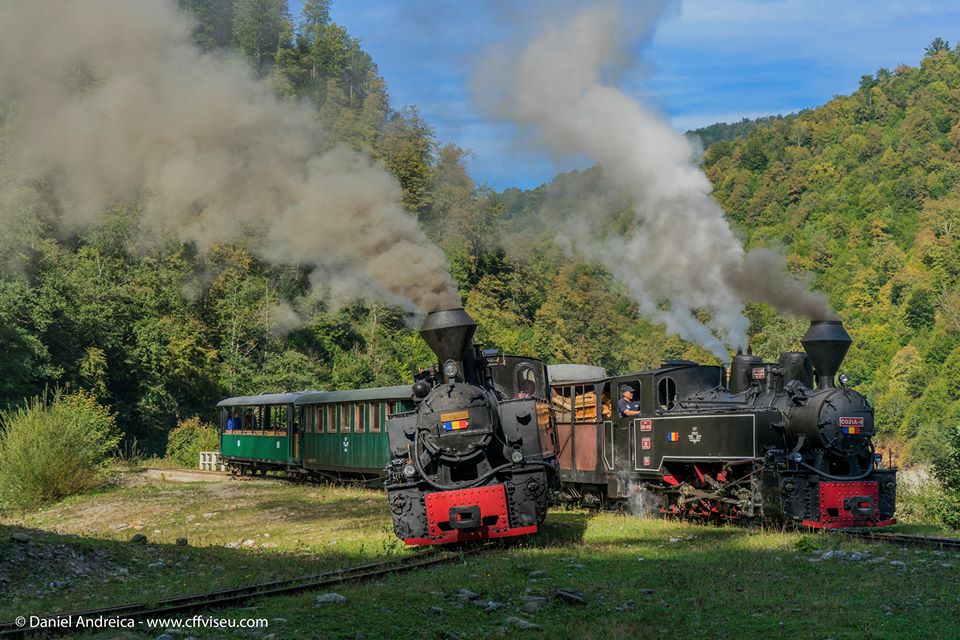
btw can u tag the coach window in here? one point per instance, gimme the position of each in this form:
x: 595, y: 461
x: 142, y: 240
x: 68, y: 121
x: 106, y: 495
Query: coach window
x: 261, y: 418
x: 358, y: 421
x: 278, y: 419
x: 374, y: 417
x: 667, y: 393
x: 331, y: 418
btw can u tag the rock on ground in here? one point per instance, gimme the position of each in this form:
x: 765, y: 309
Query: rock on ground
x: 330, y: 597
x: 520, y: 623
x: 570, y: 596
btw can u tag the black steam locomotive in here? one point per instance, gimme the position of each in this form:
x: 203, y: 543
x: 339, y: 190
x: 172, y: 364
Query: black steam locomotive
x: 476, y: 458
x: 766, y: 444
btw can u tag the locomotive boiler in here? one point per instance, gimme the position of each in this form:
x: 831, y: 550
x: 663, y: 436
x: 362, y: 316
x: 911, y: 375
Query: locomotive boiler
x: 476, y: 458
x: 774, y: 441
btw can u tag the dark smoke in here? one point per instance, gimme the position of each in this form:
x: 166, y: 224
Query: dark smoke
x: 109, y: 101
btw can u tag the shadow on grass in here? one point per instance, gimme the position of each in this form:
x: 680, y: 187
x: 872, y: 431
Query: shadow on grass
x: 55, y: 573
x: 339, y: 508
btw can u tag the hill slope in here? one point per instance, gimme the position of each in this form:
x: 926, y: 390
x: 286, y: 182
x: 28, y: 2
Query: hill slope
x: 862, y: 196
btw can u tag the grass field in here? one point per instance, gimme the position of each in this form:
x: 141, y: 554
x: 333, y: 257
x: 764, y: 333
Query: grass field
x: 639, y: 578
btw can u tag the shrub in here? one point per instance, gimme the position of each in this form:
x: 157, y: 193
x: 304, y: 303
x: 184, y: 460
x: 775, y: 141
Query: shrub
x: 54, y: 446
x: 946, y: 469
x: 920, y: 500
x: 188, y: 439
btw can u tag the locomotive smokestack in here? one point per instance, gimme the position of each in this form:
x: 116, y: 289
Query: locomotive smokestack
x: 449, y: 333
x: 826, y: 342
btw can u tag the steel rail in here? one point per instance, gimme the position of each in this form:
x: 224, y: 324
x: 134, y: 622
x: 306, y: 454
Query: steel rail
x: 223, y: 597
x: 901, y: 538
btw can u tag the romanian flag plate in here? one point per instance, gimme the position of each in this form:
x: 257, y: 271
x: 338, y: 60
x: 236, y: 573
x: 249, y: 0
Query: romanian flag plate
x: 455, y: 421
x: 851, y: 425
x: 673, y: 436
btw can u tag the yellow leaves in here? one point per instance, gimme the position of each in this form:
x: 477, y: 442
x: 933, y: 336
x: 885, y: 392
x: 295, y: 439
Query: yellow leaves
x: 187, y: 357
x: 822, y: 173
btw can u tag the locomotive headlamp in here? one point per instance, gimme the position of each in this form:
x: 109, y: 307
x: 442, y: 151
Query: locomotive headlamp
x: 409, y: 470
x: 450, y: 369
x: 517, y: 456
x: 843, y: 379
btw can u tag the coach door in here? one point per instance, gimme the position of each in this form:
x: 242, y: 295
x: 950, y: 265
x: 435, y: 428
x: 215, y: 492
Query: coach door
x: 295, y: 416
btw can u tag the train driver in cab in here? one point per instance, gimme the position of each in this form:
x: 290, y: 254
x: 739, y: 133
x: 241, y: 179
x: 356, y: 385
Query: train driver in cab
x: 627, y: 405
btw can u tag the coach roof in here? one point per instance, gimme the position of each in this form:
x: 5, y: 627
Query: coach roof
x: 401, y: 392
x: 264, y: 398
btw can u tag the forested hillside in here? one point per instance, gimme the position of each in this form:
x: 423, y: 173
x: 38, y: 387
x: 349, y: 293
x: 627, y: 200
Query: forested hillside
x: 862, y: 196
x: 860, y: 193
x: 863, y: 193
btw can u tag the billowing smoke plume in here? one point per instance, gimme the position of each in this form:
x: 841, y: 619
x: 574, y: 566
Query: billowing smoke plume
x: 681, y: 256
x: 109, y: 101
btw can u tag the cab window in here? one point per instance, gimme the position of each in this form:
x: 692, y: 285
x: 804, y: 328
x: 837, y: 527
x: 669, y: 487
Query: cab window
x: 667, y: 393
x: 606, y: 403
x: 525, y: 381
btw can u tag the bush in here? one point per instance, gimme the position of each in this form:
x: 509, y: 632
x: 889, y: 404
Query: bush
x: 920, y: 500
x: 946, y: 469
x: 54, y: 447
x: 188, y: 439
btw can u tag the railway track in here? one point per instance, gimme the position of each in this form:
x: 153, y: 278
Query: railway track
x: 236, y: 595
x: 902, y: 539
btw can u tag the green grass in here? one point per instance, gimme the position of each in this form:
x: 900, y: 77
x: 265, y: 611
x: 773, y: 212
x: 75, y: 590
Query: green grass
x: 706, y: 582
x: 273, y: 530
x: 712, y: 583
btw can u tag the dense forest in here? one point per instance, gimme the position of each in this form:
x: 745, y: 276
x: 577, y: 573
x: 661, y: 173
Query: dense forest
x: 860, y: 194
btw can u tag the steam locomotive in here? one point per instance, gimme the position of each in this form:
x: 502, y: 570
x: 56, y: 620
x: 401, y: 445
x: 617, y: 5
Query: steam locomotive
x: 476, y: 458
x: 765, y: 444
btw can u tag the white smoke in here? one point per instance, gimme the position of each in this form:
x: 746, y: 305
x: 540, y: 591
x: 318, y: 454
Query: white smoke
x: 643, y: 503
x: 680, y: 258
x: 109, y: 101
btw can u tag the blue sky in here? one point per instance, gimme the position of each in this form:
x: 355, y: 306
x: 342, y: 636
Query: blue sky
x: 709, y: 61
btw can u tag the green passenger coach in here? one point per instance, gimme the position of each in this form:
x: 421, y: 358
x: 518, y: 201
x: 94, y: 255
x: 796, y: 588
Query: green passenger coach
x: 344, y: 431
x: 310, y: 433
x: 260, y: 433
